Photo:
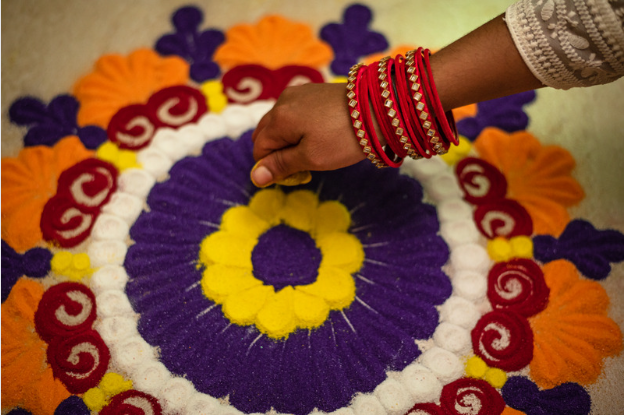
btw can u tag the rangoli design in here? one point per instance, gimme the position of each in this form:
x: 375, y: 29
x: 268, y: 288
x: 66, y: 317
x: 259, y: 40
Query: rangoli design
x: 143, y: 273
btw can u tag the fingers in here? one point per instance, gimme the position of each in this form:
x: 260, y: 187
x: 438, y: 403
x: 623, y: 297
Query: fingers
x: 261, y: 124
x: 283, y: 166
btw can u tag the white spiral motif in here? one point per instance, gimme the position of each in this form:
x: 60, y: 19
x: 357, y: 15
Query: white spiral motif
x: 136, y: 141
x: 165, y: 115
x: 85, y: 223
x: 253, y: 87
x: 81, y: 197
x: 75, y: 320
x: 74, y: 358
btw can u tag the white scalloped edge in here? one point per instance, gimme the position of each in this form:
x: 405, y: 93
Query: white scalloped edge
x: 419, y: 382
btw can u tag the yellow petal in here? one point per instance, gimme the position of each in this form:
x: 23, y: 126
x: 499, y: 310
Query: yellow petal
x: 331, y: 217
x: 341, y: 250
x: 334, y: 285
x: 311, y: 311
x: 243, y: 221
x: 220, y: 281
x: 268, y: 204
x: 277, y: 317
x: 242, y: 307
x: 228, y: 249
x: 300, y: 210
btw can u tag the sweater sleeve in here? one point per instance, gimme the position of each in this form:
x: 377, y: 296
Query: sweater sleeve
x: 570, y: 43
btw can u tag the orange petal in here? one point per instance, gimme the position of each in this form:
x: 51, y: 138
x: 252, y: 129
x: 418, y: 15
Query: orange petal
x: 573, y: 334
x: 118, y: 81
x: 28, y: 182
x: 273, y: 42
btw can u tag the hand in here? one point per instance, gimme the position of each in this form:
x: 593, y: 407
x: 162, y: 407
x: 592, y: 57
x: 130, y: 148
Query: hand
x: 309, y: 128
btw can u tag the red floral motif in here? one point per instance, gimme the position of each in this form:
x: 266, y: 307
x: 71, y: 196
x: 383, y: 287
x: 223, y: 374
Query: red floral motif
x: 83, y: 189
x: 77, y: 354
x: 503, y: 339
x: 471, y: 396
x: 518, y: 285
x: 248, y: 83
x: 79, y: 361
x: 480, y: 181
x: 134, y: 126
x: 504, y: 217
x: 65, y: 309
x: 132, y: 402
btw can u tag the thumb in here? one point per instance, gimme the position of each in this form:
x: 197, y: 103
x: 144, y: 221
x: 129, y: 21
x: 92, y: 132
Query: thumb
x: 282, y: 167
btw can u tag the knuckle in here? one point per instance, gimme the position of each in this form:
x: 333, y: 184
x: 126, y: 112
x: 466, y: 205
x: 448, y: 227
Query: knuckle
x: 280, y: 164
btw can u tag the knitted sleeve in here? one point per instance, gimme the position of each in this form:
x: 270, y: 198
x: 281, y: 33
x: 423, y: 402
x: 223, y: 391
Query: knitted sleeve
x: 570, y: 43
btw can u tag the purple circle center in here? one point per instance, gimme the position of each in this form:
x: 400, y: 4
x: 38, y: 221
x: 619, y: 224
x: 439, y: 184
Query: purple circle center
x: 286, y: 256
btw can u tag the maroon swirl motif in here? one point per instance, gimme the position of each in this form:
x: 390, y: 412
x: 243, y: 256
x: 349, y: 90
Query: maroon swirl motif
x: 504, y: 217
x: 65, y: 224
x: 68, y: 216
x: 293, y: 75
x: 425, y: 409
x: 79, y: 361
x: 177, y: 106
x: 90, y: 183
x: 65, y: 309
x: 480, y: 181
x: 503, y: 339
x: 132, y: 127
x: 471, y: 396
x: 132, y: 402
x: 518, y: 285
x: 247, y: 83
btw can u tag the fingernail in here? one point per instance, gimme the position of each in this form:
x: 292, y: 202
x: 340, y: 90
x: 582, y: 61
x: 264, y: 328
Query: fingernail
x: 301, y: 177
x: 261, y: 176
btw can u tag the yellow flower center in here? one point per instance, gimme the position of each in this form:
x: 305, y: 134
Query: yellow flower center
x: 229, y: 277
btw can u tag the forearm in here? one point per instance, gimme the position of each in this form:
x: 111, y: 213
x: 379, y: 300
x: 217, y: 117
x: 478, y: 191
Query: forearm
x: 482, y: 65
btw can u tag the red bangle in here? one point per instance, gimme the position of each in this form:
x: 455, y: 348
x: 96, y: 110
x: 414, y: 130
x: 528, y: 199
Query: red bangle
x: 355, y: 111
x: 388, y: 160
x: 407, y: 110
x: 395, y: 117
x: 425, y: 116
x: 374, y: 70
x: 382, y: 105
x: 446, y: 119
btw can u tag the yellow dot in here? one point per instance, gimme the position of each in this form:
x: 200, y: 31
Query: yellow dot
x: 499, y: 249
x: 113, y: 383
x: 458, y: 152
x: 522, y: 247
x: 126, y: 160
x: 340, y: 80
x: 95, y: 399
x: 476, y: 367
x: 496, y: 377
x: 61, y: 261
x: 213, y: 90
x: 81, y: 262
x: 108, y: 152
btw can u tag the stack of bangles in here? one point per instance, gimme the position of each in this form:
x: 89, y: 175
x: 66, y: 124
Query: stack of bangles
x: 406, y: 105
